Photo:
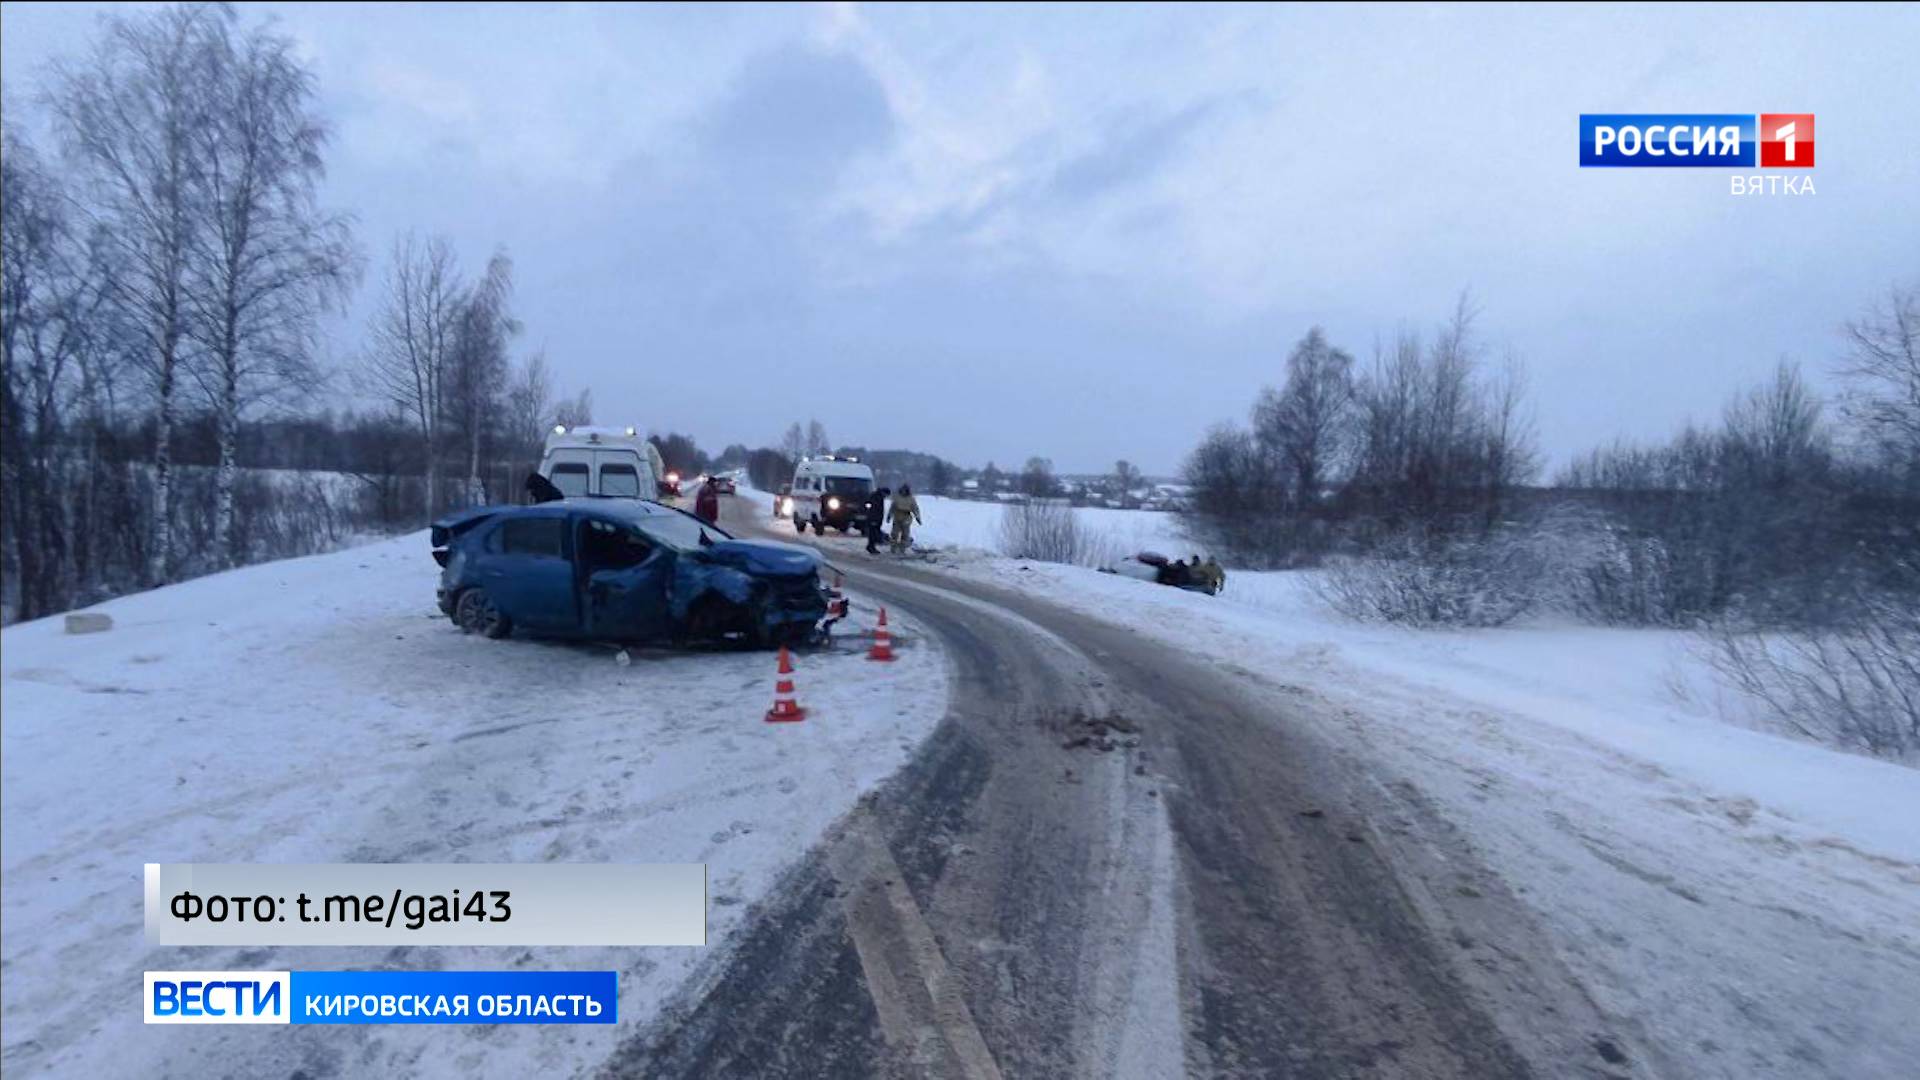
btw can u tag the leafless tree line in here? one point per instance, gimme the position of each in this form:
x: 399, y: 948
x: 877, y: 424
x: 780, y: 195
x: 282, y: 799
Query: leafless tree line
x: 1787, y: 534
x: 438, y: 352
x: 166, y: 264
x: 173, y: 257
x: 810, y: 441
x: 1429, y: 436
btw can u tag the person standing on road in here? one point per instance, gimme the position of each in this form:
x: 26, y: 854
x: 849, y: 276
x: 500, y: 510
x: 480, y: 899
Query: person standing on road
x: 875, y: 519
x: 904, y: 515
x: 706, y: 504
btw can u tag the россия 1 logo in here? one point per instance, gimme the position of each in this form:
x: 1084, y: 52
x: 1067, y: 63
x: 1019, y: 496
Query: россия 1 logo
x: 1705, y: 140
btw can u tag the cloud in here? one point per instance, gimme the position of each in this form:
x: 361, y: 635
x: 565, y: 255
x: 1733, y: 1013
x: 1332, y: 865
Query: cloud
x: 796, y: 115
x: 1133, y: 148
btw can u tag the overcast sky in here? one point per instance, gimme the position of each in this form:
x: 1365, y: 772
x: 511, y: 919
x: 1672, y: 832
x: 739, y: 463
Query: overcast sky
x: 1088, y: 233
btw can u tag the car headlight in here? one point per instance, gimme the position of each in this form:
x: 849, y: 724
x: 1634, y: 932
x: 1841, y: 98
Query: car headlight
x: 786, y: 506
x: 833, y: 504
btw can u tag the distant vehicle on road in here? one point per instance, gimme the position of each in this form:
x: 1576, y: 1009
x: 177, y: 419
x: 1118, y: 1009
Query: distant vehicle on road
x: 670, y: 485
x: 724, y: 484
x: 830, y: 491
x: 611, y: 462
x: 626, y: 570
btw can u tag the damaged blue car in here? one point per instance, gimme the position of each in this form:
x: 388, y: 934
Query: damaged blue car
x: 623, y: 570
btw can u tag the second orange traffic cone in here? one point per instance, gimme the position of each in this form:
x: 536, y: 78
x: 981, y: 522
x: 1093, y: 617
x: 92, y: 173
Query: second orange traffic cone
x: 882, y: 641
x: 785, y: 708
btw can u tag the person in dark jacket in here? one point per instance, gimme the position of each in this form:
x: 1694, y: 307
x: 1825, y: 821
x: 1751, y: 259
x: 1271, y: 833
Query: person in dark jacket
x: 876, y: 514
x: 706, y: 504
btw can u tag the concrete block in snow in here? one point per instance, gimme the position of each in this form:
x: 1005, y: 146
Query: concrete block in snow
x: 88, y: 622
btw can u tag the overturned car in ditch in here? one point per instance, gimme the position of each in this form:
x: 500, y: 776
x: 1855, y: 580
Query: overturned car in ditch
x: 624, y: 570
x: 1152, y: 566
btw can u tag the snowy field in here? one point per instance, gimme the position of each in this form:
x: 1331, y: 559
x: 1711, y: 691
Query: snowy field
x: 1752, y: 901
x: 321, y: 710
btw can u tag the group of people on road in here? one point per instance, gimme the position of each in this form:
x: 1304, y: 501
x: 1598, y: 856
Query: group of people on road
x: 904, y: 514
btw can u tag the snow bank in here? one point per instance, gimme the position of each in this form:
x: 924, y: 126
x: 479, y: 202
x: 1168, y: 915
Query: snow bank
x: 321, y: 710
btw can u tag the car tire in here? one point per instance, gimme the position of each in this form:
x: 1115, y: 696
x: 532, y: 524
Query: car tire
x: 476, y: 613
x: 842, y: 528
x: 799, y: 526
x: 819, y: 528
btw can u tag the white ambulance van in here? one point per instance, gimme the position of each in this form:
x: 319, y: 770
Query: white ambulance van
x: 615, y: 462
x: 830, y: 491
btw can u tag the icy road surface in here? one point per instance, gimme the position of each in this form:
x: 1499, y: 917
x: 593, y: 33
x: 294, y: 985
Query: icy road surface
x: 321, y: 710
x: 1539, y: 850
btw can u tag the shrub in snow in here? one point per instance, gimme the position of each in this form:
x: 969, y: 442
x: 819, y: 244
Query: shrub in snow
x: 1048, y: 530
x: 1419, y: 581
x: 1567, y: 559
x: 1606, y: 573
x: 1629, y: 583
x: 1855, y: 685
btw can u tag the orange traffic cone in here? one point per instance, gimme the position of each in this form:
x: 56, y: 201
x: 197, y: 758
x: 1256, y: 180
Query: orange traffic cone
x: 785, y: 708
x: 882, y: 641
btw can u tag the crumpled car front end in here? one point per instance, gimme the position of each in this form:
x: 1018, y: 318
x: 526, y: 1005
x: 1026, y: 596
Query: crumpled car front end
x: 771, y: 593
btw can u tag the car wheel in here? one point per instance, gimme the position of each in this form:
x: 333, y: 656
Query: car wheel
x: 842, y: 528
x: 799, y: 526
x: 819, y: 529
x: 476, y: 613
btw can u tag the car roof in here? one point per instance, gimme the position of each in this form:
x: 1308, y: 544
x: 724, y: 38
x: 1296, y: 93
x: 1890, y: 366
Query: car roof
x: 838, y: 468
x: 635, y: 510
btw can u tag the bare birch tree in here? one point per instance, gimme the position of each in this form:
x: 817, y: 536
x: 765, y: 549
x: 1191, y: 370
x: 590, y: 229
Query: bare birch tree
x: 1307, y: 423
x: 411, y: 342
x: 129, y: 115
x: 268, y: 259
x: 529, y: 406
x: 1882, y: 368
x: 576, y: 411
x: 477, y: 367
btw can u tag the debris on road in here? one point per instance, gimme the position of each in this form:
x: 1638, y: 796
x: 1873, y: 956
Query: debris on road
x: 1097, y: 733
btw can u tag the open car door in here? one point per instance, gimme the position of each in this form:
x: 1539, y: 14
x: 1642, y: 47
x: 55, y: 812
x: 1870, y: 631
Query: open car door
x: 624, y: 579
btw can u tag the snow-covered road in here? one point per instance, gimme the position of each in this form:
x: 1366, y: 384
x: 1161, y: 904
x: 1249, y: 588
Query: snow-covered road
x: 321, y: 710
x: 1744, y: 904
